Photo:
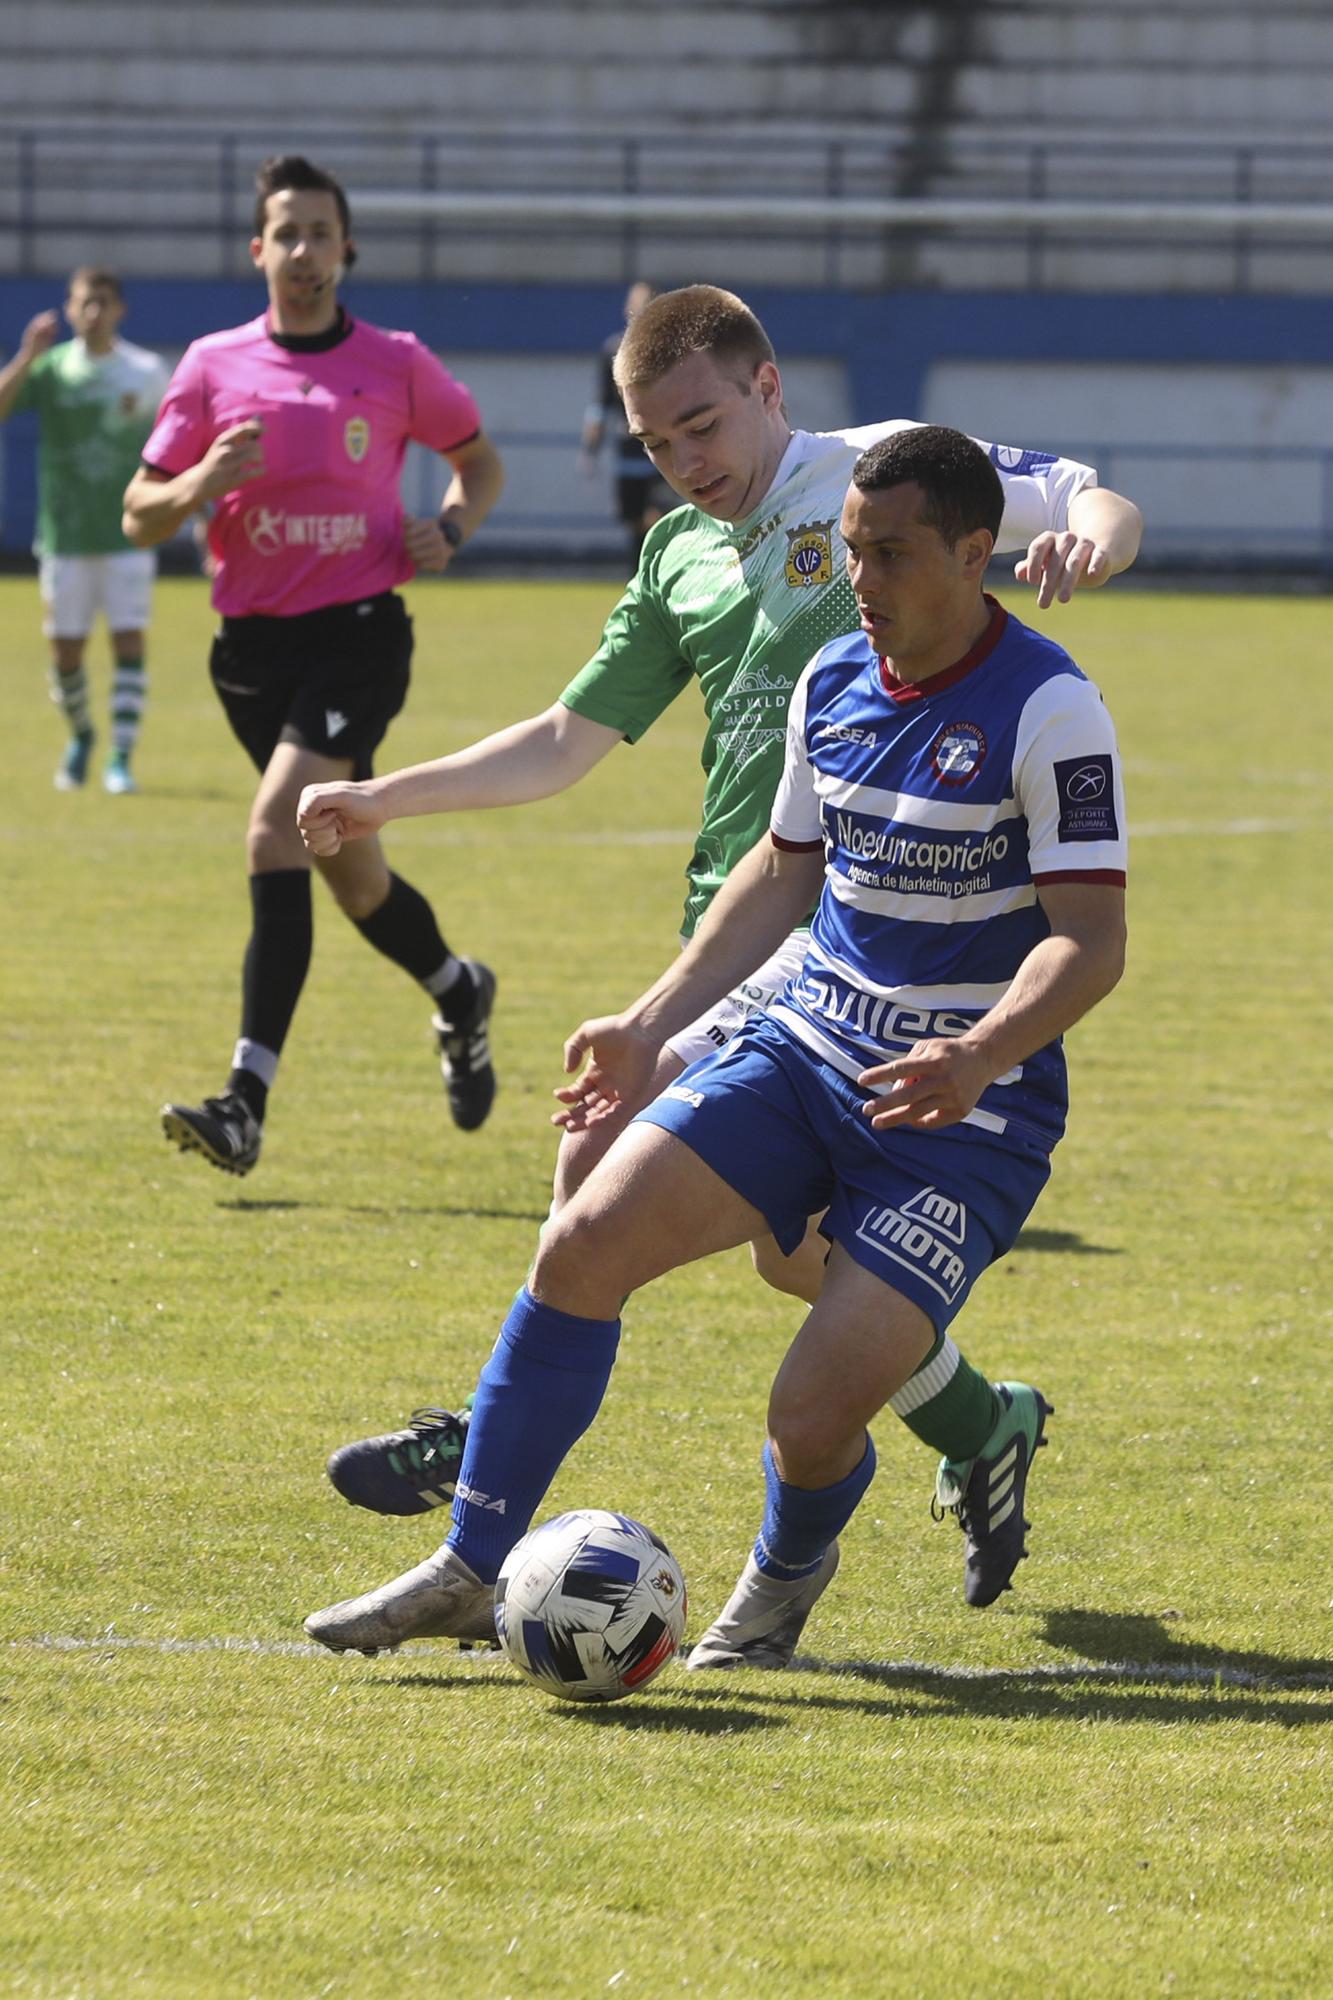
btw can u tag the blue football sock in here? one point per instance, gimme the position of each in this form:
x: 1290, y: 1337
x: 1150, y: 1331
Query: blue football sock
x: 538, y: 1393
x: 800, y: 1523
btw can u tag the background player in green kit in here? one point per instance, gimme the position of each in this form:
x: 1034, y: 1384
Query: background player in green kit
x: 96, y: 398
x: 739, y: 588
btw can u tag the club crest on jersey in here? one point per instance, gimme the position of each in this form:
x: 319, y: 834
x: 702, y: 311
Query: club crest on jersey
x: 810, y: 554
x: 959, y: 753
x: 356, y: 437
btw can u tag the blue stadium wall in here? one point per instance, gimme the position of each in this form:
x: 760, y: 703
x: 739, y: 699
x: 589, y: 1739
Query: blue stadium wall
x: 886, y: 348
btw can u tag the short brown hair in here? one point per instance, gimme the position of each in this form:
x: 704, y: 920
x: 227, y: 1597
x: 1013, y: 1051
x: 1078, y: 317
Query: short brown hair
x: 96, y: 276
x: 696, y: 319
x: 292, y: 170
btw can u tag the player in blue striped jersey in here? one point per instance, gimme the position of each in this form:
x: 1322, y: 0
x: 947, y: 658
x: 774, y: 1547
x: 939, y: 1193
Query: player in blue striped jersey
x: 952, y: 780
x: 944, y: 811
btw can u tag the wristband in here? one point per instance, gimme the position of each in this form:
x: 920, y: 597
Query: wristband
x: 451, y: 531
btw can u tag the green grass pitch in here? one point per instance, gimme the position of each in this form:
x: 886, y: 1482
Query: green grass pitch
x: 1113, y: 1785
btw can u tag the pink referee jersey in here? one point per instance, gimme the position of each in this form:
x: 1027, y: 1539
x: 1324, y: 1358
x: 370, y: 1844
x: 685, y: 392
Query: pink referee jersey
x: 324, y: 523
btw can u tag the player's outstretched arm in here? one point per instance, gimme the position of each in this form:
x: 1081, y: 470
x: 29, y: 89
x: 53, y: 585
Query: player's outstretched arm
x: 39, y: 334
x: 1102, y: 539
x: 762, y: 901
x: 939, y: 1081
x: 530, y: 760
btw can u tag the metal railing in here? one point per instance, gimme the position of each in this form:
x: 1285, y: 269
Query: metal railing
x: 184, y: 193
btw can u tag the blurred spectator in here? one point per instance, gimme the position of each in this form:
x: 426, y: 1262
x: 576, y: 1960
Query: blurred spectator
x: 642, y: 496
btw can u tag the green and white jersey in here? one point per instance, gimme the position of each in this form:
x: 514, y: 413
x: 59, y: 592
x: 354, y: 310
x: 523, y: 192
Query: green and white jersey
x: 95, y: 412
x: 743, y: 606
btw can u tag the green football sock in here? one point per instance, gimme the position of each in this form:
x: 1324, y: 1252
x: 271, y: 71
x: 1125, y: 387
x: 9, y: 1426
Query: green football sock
x: 129, y: 691
x: 947, y: 1403
x: 69, y: 692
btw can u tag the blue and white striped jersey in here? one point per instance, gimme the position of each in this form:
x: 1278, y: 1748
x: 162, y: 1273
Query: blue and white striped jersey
x: 941, y: 809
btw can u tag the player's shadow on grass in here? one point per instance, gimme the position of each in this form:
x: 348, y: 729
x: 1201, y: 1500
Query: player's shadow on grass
x: 247, y: 1205
x: 1119, y: 1636
x: 731, y: 1703
x: 700, y: 1716
x: 1066, y: 1240
x: 1127, y: 1666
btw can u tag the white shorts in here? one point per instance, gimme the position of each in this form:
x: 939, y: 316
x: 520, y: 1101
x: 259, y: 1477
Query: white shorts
x: 754, y: 995
x: 75, y: 588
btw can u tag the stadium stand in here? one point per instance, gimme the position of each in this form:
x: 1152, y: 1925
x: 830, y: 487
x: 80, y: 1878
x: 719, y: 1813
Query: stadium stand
x: 141, y: 118
x: 1194, y: 363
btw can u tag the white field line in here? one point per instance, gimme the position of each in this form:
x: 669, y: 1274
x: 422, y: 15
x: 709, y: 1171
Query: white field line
x: 1136, y: 1673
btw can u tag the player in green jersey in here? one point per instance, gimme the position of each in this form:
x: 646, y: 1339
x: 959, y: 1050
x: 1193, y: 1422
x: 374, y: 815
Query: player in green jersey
x: 736, y: 589
x: 96, y: 397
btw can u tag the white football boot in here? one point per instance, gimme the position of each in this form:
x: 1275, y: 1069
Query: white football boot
x: 763, y: 1618
x: 439, y: 1599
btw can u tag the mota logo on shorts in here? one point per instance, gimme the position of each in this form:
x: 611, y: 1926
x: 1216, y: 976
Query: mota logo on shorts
x: 810, y: 554
x: 947, y: 1216
x: 1086, y: 792
x: 925, y: 1235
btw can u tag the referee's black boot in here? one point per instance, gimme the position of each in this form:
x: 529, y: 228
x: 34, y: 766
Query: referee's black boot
x: 465, y: 1052
x: 224, y: 1129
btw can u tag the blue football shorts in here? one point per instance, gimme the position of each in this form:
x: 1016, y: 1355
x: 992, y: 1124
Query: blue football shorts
x: 925, y: 1212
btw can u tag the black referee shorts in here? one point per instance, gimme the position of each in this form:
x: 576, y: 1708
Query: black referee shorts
x: 330, y: 680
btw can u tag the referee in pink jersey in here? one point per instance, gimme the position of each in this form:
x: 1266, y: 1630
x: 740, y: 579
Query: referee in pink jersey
x: 292, y: 429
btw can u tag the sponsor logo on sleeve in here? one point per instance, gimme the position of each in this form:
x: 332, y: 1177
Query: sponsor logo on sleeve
x: 810, y: 554
x: 959, y: 753
x: 1012, y: 458
x: 1085, y: 789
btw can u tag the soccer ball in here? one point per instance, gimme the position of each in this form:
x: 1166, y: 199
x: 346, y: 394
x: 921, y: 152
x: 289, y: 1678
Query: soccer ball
x: 590, y: 1606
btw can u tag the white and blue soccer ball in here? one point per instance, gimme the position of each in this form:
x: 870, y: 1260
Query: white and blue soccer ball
x: 590, y: 1606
